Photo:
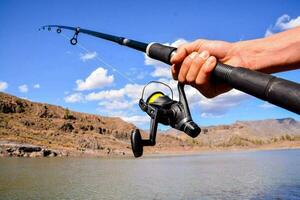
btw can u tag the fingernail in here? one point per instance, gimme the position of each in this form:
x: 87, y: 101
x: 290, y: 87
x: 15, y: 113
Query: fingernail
x: 210, y: 59
x: 192, y: 55
x: 204, y: 55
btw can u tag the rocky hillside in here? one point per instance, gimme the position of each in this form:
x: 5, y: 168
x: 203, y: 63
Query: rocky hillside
x: 58, y: 128
x: 36, y: 129
x: 247, y: 134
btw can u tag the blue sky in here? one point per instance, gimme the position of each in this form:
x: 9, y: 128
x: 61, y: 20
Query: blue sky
x: 44, y: 67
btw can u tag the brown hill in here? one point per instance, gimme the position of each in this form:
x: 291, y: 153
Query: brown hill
x: 37, y: 129
x: 247, y: 134
x: 55, y: 127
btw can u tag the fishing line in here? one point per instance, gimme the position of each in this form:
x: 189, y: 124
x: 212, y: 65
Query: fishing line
x: 101, y: 60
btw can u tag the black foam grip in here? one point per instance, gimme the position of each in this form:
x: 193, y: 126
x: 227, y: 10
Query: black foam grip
x: 277, y: 91
x: 161, y: 52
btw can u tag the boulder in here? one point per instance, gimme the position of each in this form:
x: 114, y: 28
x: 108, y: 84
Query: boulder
x: 67, y: 127
x: 36, y: 154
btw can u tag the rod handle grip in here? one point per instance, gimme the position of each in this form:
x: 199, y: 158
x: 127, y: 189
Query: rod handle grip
x: 278, y: 91
x: 160, y: 52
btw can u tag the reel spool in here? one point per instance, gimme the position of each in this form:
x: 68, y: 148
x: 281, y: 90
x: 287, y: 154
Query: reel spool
x: 163, y: 109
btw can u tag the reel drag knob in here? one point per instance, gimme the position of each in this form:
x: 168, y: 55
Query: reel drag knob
x: 136, y: 143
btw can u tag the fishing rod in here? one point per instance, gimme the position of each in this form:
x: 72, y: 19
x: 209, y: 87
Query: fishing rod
x: 163, y: 109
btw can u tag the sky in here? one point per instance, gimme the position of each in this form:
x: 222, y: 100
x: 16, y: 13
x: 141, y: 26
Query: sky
x: 104, y: 78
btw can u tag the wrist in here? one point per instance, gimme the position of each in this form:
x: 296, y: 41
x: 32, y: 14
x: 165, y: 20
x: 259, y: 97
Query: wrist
x: 252, y: 54
x: 269, y: 55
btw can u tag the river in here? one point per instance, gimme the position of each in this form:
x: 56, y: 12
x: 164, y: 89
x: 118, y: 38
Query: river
x: 231, y: 175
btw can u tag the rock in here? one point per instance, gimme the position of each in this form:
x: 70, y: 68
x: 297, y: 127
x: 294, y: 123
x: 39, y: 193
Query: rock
x: 108, y: 150
x: 45, y: 112
x: 26, y: 155
x: 52, y: 154
x: 87, y: 128
x: 29, y: 149
x: 27, y: 123
x: 6, y: 107
x: 63, y: 154
x: 89, y: 143
x: 121, y: 135
x: 46, y: 152
x: 10, y: 150
x: 68, y: 115
x: 67, y: 127
x: 36, y: 154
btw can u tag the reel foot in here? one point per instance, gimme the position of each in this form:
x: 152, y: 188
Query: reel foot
x: 136, y: 143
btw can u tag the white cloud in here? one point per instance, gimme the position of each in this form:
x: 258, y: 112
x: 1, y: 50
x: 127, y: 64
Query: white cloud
x: 88, y: 56
x: 74, y: 98
x: 211, y: 115
x: 266, y: 105
x: 116, y: 105
x: 105, y: 94
x: 162, y: 72
x: 283, y: 23
x: 137, y: 119
x: 36, y: 86
x: 219, y: 105
x: 26, y: 98
x: 96, y: 79
x: 3, y: 85
x: 23, y: 88
x: 131, y: 91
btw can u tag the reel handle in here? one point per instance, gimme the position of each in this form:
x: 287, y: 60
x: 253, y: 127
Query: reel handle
x: 137, y: 143
x: 278, y: 91
x: 188, y: 125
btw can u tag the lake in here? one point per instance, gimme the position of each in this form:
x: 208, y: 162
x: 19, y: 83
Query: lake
x: 234, y: 175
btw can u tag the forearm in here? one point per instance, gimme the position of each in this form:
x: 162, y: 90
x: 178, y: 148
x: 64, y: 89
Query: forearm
x: 277, y: 53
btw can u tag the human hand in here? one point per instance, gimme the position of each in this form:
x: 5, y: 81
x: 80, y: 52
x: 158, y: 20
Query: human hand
x: 194, y: 63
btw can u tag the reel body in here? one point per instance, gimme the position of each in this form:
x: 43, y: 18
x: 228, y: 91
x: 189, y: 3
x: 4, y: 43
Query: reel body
x: 163, y: 109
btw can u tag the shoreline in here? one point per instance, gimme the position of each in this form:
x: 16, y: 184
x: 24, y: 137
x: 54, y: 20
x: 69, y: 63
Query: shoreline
x: 13, y: 150
x: 237, y: 150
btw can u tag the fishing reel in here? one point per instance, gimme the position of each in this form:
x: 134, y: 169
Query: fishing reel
x: 163, y: 109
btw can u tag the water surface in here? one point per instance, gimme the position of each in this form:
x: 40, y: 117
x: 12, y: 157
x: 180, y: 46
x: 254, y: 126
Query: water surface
x: 243, y: 175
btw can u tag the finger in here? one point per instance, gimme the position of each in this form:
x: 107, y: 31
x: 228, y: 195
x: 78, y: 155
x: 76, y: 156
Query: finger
x: 206, y: 70
x: 185, y: 67
x: 186, y: 49
x: 175, y: 71
x: 180, y: 54
x: 196, y: 65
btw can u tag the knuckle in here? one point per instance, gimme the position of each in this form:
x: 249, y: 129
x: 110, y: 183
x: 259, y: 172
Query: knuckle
x: 198, y: 61
x: 199, y: 82
x: 181, y: 79
x: 190, y: 79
